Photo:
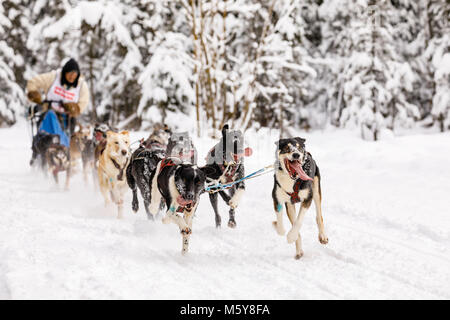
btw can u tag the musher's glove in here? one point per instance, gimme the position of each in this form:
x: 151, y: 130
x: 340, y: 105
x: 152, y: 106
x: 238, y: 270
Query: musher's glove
x: 35, y: 97
x: 72, y: 108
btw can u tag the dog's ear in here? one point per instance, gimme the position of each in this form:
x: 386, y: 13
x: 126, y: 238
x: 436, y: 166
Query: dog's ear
x: 281, y: 143
x: 110, y: 133
x: 301, y: 141
x: 225, y: 129
x: 125, y: 133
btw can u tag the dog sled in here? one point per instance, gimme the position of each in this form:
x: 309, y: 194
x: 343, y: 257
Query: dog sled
x: 49, y: 117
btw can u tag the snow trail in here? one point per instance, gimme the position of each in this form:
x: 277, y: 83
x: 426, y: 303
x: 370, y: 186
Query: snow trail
x: 385, y: 214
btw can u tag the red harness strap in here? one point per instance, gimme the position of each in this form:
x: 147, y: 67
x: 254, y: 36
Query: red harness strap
x: 294, y: 195
x: 166, y: 163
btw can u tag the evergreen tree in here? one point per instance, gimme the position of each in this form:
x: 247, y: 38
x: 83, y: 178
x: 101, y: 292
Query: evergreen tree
x: 11, y: 65
x: 97, y: 34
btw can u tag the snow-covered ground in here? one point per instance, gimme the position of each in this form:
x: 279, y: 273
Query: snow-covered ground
x: 385, y: 206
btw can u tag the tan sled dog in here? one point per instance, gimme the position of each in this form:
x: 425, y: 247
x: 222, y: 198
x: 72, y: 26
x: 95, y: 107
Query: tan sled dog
x: 112, y: 166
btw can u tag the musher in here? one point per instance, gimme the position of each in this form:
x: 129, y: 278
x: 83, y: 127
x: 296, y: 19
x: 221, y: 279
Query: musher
x: 66, y: 97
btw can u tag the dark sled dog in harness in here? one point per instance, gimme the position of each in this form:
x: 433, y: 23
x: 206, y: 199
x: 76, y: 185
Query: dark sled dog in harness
x: 225, y: 163
x: 54, y: 157
x: 41, y: 142
x: 140, y: 172
x: 296, y: 180
x: 180, y: 185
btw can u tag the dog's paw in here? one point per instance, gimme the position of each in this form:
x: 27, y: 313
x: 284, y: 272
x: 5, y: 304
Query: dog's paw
x: 218, y: 221
x: 186, y: 231
x: 292, y: 236
x: 232, y: 224
x: 154, y: 209
x: 299, y: 255
x: 280, y: 229
x: 135, y: 206
x: 323, y: 239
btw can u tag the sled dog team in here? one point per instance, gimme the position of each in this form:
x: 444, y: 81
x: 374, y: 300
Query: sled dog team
x: 164, y: 169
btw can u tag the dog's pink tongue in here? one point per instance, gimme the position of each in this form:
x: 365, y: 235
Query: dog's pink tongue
x: 298, y: 168
x: 182, y: 201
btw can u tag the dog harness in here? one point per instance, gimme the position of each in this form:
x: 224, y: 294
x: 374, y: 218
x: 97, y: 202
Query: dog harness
x: 120, y: 175
x: 166, y: 162
x: 294, y: 195
x: 229, y: 172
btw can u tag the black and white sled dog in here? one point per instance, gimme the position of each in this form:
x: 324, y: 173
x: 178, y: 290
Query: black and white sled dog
x: 225, y: 164
x: 144, y: 160
x: 297, y: 180
x: 179, y: 185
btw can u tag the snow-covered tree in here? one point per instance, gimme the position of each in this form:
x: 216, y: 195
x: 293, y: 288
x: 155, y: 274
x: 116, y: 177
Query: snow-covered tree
x: 12, y: 100
x: 437, y: 54
x: 97, y: 34
x: 375, y: 81
x: 167, y: 82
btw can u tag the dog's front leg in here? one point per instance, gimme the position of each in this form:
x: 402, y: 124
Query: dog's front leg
x: 120, y: 209
x: 278, y: 206
x: 156, y: 196
x: 55, y: 175
x: 278, y: 225
x: 175, y: 217
x: 323, y: 239
x: 117, y: 193
x: 290, y: 209
x: 236, y: 194
x: 131, y: 181
x: 103, y: 183
x: 146, y: 194
x: 294, y: 233
x: 186, y: 236
x: 68, y: 175
x: 213, y: 199
x: 85, y: 168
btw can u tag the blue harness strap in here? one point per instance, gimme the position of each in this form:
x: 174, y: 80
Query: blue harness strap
x: 220, y: 186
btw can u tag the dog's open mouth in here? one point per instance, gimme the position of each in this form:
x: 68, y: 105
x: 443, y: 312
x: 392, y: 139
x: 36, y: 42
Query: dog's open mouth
x: 295, y: 170
x: 187, y: 204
